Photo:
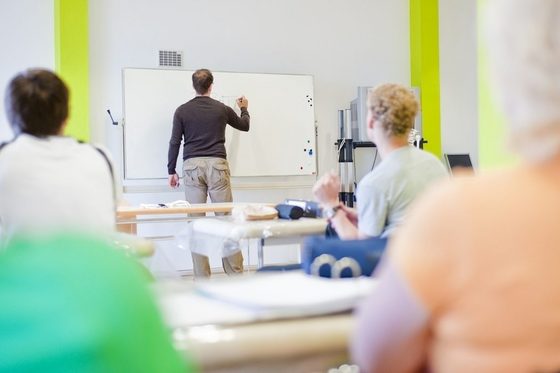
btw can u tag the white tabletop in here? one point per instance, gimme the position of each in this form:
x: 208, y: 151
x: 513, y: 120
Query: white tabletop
x: 235, y: 230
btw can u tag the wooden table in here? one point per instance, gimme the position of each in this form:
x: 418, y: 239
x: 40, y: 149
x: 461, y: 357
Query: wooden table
x: 220, y: 337
x: 313, y: 344
x: 265, y: 232
x: 129, y: 216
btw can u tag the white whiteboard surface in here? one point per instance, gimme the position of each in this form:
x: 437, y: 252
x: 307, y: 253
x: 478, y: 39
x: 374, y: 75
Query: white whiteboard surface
x: 280, y: 142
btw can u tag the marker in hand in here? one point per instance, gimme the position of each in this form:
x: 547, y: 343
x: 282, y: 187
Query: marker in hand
x: 242, y: 102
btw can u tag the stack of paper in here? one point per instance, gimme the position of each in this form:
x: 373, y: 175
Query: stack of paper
x: 265, y: 297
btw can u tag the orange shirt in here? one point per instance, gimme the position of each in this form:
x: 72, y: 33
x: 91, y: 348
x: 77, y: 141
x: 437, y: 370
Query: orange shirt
x: 482, y: 254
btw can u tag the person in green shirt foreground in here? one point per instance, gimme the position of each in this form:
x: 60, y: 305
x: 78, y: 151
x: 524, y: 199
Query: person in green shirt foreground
x: 71, y: 303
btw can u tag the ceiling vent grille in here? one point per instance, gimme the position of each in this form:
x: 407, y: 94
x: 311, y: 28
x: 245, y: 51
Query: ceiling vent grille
x: 170, y: 58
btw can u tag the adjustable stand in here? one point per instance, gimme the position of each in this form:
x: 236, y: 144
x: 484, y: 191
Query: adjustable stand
x: 346, y: 159
x: 346, y: 162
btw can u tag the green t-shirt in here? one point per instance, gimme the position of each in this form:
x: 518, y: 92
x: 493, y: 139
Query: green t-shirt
x: 75, y: 304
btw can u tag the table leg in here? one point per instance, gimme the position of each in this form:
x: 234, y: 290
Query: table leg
x: 260, y: 245
x: 248, y: 242
x: 130, y: 228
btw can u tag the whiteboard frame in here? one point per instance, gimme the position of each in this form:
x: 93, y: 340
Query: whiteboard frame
x: 125, y: 119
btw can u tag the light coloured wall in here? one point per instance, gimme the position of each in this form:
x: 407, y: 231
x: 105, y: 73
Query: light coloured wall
x: 26, y: 40
x: 458, y: 77
x: 343, y: 44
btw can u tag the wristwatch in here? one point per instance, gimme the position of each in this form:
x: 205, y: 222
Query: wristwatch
x: 330, y: 212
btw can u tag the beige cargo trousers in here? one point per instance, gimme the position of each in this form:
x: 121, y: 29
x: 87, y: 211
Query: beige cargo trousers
x: 209, y: 176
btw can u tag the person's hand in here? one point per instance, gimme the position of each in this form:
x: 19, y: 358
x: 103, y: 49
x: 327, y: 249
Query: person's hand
x: 174, y: 181
x: 326, y: 189
x: 242, y: 102
x: 351, y: 214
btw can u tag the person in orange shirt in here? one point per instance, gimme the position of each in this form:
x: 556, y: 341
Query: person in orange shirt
x: 470, y: 282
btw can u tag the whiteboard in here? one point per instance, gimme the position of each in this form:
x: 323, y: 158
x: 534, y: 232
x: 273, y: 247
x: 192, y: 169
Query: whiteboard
x: 280, y: 142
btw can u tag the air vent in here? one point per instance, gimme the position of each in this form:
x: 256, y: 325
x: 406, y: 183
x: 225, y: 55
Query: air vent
x: 171, y: 58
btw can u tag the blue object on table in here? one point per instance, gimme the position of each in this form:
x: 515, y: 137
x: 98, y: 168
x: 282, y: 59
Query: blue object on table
x: 328, y: 257
x: 289, y: 211
x: 311, y: 209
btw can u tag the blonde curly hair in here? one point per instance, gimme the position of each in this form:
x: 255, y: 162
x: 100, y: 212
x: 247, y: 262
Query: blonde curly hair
x: 395, y: 107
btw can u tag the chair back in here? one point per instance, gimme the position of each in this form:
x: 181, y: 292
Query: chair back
x: 331, y: 257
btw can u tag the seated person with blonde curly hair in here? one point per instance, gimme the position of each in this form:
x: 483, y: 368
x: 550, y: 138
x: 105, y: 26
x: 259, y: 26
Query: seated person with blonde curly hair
x: 384, y: 194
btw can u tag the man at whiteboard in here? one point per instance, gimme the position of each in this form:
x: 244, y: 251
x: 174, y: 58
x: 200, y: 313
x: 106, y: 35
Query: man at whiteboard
x: 201, y: 124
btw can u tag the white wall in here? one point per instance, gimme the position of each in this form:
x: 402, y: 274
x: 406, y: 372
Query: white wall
x: 26, y: 40
x: 344, y: 44
x: 458, y: 77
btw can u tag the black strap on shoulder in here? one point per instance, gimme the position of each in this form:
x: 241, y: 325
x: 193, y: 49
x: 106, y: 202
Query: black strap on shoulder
x: 111, y: 172
x: 4, y: 144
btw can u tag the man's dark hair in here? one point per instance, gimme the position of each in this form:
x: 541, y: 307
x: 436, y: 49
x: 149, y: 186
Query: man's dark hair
x: 37, y: 103
x: 202, y: 79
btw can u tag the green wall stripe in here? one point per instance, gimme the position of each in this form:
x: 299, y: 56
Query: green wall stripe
x: 424, y: 67
x: 72, y: 61
x: 492, y: 131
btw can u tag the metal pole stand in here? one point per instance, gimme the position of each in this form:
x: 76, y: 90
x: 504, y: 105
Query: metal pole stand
x: 346, y: 159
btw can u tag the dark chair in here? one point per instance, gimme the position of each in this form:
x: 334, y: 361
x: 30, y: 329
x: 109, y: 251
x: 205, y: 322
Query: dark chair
x: 280, y: 268
x: 332, y: 257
